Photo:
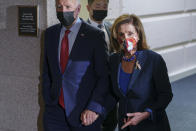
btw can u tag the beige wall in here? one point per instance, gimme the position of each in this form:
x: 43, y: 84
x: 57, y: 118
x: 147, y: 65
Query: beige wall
x: 20, y: 70
x: 84, y: 12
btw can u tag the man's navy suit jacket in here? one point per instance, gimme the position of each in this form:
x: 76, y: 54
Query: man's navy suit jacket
x: 85, y: 80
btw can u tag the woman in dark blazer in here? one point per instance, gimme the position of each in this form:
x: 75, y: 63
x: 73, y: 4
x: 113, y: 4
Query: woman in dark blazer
x: 139, y: 78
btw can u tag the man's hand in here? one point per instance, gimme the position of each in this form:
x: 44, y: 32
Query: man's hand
x: 88, y: 117
x: 135, y: 118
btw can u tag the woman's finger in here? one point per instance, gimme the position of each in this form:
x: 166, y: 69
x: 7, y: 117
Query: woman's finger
x: 126, y: 124
x: 130, y: 114
x: 124, y: 120
x: 89, y: 118
x: 84, y: 118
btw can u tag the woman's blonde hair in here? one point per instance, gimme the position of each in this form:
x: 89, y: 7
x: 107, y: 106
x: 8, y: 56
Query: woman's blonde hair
x: 135, y: 21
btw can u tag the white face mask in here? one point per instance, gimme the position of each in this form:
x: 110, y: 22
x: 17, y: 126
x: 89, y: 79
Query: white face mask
x: 130, y: 44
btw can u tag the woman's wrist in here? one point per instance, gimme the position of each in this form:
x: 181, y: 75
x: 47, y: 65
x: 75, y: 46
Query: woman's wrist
x: 146, y: 114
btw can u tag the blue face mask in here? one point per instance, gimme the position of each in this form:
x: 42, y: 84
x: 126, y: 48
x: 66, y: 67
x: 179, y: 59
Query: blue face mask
x: 66, y: 18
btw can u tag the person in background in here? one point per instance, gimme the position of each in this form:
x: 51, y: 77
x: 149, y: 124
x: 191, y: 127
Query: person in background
x: 139, y: 78
x: 98, y: 10
x: 75, y: 72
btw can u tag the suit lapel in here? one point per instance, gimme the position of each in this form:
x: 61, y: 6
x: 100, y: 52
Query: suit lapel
x: 88, y: 21
x: 107, y: 27
x: 81, y: 35
x: 141, y: 59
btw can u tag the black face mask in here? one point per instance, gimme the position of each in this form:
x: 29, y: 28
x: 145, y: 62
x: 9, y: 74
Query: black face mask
x: 66, y: 18
x: 99, y: 15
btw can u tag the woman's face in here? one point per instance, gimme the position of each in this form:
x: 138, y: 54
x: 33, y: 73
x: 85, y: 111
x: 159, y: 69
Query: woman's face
x: 126, y: 31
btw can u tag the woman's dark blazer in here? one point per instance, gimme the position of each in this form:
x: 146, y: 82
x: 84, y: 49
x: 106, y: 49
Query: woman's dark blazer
x: 149, y: 87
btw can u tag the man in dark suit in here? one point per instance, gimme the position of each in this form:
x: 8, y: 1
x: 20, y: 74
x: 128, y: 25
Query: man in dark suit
x: 75, y: 74
x: 97, y: 13
x: 98, y: 10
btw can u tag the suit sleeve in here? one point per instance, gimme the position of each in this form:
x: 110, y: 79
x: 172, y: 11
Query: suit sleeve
x: 111, y: 99
x: 162, y: 88
x: 101, y: 89
x: 46, y: 81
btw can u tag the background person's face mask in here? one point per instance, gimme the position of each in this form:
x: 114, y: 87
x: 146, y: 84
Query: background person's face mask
x: 99, y: 15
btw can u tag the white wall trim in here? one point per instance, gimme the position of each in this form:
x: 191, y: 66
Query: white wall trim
x: 182, y: 74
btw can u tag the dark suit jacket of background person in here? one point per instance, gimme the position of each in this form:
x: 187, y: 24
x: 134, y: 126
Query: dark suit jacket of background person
x: 148, y: 88
x: 107, y: 26
x: 86, y: 72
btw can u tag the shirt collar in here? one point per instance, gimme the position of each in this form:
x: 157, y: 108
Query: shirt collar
x: 93, y: 23
x: 75, y: 26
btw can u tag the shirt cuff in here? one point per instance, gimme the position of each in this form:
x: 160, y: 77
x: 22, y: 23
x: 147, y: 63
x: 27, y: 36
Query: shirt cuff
x: 151, y: 114
x: 97, y: 108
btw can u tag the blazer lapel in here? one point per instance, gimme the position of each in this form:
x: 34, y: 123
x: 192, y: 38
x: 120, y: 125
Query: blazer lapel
x: 141, y: 58
x: 116, y: 65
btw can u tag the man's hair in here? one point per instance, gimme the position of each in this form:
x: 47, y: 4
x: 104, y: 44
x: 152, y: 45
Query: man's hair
x: 77, y: 0
x: 91, y: 1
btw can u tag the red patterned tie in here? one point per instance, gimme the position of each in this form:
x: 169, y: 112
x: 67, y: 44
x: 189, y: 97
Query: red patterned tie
x: 63, y: 61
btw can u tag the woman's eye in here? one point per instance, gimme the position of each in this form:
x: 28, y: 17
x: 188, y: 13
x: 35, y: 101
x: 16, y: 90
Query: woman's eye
x: 120, y: 34
x: 130, y: 34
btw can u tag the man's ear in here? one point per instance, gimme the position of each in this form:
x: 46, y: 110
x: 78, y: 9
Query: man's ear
x: 79, y: 8
x: 77, y: 12
x: 88, y: 8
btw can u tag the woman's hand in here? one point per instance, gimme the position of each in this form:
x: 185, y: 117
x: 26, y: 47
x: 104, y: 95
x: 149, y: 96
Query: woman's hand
x: 135, y: 118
